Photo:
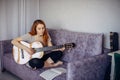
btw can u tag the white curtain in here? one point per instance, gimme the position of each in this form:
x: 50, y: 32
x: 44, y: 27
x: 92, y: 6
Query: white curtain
x: 16, y: 17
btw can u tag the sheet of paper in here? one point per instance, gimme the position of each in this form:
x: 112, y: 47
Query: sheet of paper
x: 52, y: 73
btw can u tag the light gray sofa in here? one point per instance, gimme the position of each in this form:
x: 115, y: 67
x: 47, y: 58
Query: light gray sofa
x: 87, y: 61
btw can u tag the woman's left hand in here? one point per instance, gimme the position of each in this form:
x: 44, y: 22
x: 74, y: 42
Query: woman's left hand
x: 62, y: 49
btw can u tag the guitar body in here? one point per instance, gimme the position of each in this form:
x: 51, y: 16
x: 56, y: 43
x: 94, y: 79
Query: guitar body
x: 22, y: 57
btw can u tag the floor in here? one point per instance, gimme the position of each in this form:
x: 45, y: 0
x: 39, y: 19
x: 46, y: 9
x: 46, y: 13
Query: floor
x: 8, y: 76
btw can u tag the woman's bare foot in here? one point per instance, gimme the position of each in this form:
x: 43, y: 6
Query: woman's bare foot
x: 34, y: 68
x: 48, y: 65
x: 58, y: 63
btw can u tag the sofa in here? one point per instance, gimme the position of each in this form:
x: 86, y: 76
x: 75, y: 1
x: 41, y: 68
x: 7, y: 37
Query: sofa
x: 87, y: 61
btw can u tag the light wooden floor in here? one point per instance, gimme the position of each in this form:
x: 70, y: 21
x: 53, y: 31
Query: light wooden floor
x: 8, y: 76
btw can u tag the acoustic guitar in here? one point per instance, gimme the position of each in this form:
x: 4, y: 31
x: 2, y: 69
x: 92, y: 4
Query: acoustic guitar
x: 22, y: 57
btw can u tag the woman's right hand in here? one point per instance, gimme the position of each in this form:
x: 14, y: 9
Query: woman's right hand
x: 30, y: 51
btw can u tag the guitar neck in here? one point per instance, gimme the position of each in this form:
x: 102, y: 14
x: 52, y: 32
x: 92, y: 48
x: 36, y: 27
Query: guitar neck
x: 48, y: 48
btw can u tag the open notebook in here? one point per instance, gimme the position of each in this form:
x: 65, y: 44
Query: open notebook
x: 52, y: 73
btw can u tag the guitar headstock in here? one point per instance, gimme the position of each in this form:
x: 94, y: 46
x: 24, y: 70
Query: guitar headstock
x: 69, y: 45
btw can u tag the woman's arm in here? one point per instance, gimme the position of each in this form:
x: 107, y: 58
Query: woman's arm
x: 17, y: 43
x: 50, y: 44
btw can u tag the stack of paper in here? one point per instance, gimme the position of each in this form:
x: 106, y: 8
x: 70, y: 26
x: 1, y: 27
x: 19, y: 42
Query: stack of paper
x: 52, y: 73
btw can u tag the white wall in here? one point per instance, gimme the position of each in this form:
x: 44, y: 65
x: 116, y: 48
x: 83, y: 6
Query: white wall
x: 96, y: 16
x: 99, y: 16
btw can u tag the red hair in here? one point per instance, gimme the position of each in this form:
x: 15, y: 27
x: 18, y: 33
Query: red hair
x: 34, y: 32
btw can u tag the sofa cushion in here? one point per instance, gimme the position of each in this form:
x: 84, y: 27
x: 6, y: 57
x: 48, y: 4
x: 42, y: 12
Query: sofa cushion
x: 87, y: 44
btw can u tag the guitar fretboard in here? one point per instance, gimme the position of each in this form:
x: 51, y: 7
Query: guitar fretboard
x: 48, y: 48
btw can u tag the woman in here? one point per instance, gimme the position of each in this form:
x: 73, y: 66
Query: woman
x: 39, y: 33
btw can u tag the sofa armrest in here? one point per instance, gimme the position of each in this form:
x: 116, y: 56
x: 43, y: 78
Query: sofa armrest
x: 93, y: 68
x: 1, y: 54
x: 106, y: 50
x: 5, y: 47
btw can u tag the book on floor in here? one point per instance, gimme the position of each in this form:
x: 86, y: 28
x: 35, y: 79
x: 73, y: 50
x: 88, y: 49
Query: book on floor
x: 52, y: 73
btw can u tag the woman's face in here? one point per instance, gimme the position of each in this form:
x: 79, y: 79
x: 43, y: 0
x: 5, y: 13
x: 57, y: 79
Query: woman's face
x: 40, y: 29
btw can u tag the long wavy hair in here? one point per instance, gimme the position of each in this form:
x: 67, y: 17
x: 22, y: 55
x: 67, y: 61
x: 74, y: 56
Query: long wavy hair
x: 34, y: 32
